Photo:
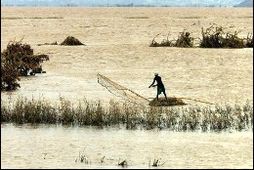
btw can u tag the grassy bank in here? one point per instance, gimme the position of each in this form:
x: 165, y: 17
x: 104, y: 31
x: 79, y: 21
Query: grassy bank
x: 88, y: 113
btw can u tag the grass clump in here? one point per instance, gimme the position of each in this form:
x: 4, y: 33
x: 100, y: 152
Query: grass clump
x: 131, y: 116
x: 249, y: 41
x: 170, y: 101
x: 215, y: 37
x: 71, y: 41
x: 157, y: 163
x: 19, y: 60
x: 184, y: 40
x: 164, y: 42
x: 212, y: 37
x: 122, y: 163
x: 82, y: 158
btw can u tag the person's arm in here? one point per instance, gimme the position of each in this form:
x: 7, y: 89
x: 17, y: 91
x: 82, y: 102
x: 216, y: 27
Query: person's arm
x: 152, y: 83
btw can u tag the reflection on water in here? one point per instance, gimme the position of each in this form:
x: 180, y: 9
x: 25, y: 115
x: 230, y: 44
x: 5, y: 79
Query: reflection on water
x: 58, y: 147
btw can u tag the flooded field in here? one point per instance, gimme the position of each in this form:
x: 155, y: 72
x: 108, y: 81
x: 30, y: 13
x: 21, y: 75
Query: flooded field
x: 58, y: 147
x: 117, y: 46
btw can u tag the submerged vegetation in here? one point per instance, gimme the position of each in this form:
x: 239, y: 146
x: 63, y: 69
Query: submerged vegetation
x: 249, y: 41
x: 184, y: 40
x: 71, y: 41
x: 19, y: 60
x: 215, y: 37
x: 53, y: 43
x: 171, y: 101
x: 212, y: 37
x: 85, y: 113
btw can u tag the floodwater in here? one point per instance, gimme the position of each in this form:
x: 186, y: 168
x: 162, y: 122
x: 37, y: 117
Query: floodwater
x: 58, y: 147
x: 117, y: 46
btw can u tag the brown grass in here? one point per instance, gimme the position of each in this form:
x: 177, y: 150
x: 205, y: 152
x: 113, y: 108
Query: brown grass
x: 171, y: 101
x: 87, y: 113
x: 184, y: 40
x: 212, y: 37
x: 215, y: 37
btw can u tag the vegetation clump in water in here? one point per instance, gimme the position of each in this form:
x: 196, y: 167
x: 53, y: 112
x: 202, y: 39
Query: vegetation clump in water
x: 215, y: 37
x: 19, y: 60
x: 184, y: 40
x: 71, y: 41
x: 212, y: 37
x: 249, y: 41
x: 53, y: 43
x: 170, y: 101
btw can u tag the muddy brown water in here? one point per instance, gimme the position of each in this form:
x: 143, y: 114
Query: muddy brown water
x: 58, y: 147
x: 117, y: 46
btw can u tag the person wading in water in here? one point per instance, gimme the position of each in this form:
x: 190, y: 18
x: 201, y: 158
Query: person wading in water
x: 160, y: 86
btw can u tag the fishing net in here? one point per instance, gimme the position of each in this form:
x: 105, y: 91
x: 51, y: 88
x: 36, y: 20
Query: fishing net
x: 121, y: 91
x: 129, y: 95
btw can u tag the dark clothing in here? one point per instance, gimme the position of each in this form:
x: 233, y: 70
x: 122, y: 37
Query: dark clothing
x: 160, y: 86
x: 160, y: 89
x: 159, y: 82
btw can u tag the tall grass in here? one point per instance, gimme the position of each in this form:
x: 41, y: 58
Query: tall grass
x: 87, y: 113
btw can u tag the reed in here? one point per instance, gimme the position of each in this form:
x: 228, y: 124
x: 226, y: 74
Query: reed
x: 132, y: 116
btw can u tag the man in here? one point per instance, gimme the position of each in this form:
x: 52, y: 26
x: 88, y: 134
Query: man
x: 160, y: 86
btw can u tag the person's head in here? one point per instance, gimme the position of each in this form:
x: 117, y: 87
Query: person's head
x: 156, y: 74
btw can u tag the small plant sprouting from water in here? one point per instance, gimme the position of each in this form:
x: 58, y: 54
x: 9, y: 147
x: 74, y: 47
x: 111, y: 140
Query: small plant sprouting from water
x: 44, y: 155
x: 82, y: 158
x: 122, y: 163
x: 157, y: 163
x: 103, y: 159
x: 132, y: 116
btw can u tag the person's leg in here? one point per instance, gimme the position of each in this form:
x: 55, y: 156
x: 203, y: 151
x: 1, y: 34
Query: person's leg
x: 165, y: 94
x: 158, y: 92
